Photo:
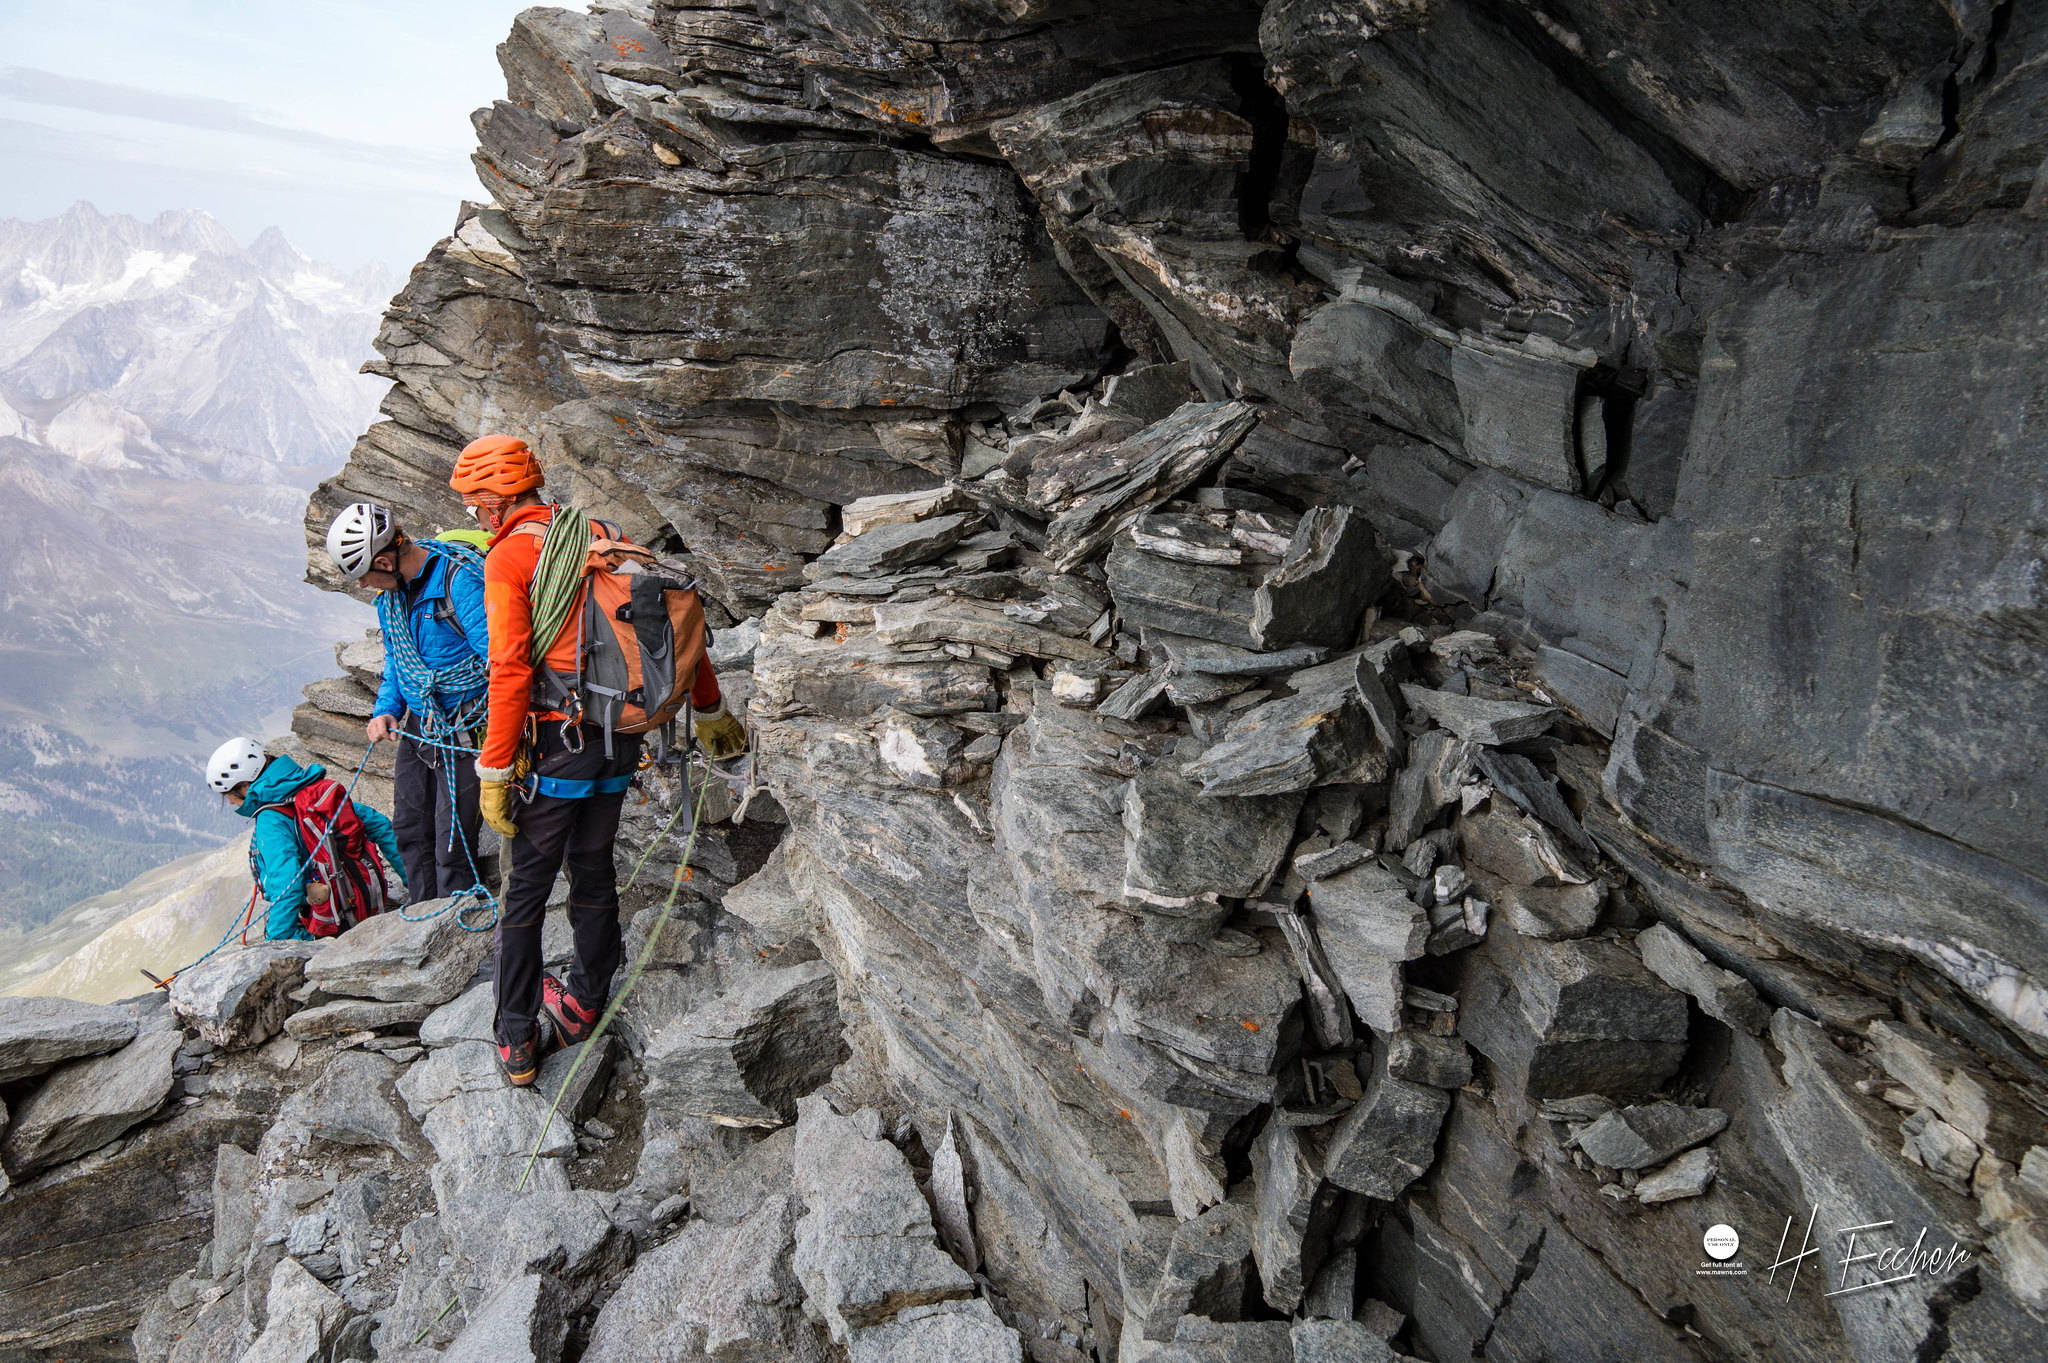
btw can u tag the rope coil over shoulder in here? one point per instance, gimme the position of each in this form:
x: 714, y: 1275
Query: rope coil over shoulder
x: 563, y: 552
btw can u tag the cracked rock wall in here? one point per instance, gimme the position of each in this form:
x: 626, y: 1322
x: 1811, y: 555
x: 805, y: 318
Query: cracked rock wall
x: 1402, y: 641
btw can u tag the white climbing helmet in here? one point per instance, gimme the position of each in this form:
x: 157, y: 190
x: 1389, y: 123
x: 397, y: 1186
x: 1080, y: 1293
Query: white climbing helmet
x: 361, y: 532
x: 233, y: 762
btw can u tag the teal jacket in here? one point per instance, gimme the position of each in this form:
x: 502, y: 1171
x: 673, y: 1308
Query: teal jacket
x: 274, y: 845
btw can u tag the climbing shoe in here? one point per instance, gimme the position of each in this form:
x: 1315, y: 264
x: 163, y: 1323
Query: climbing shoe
x: 520, y: 1060
x: 572, y: 1021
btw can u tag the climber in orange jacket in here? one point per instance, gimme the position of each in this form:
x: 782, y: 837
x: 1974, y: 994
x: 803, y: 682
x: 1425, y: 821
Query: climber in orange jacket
x: 569, y: 803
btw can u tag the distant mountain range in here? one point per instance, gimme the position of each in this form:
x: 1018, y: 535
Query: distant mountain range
x: 167, y: 399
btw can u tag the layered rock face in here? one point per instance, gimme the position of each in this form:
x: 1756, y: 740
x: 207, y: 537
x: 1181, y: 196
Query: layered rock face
x: 1401, y: 643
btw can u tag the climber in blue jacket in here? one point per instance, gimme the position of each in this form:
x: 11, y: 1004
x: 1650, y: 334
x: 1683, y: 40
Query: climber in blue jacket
x: 436, y: 653
x: 308, y: 837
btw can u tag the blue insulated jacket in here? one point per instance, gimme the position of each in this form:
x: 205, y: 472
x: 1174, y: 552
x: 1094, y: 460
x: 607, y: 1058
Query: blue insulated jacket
x: 274, y: 844
x: 443, y: 642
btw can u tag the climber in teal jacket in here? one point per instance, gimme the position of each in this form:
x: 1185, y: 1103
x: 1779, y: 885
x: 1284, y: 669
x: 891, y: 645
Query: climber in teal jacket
x: 284, y: 798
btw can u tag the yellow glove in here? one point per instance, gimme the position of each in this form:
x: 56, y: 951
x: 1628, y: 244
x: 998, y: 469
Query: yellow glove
x: 719, y: 733
x: 494, y: 799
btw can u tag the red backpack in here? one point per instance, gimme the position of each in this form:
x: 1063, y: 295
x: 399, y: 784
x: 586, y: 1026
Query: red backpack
x: 344, y: 875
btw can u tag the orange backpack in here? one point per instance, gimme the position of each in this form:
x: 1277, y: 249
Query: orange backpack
x: 626, y: 656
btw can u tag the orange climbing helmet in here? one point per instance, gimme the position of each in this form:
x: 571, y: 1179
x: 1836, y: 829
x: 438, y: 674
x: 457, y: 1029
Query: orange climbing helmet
x: 496, y: 465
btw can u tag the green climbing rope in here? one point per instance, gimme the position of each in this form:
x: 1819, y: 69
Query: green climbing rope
x: 557, y: 576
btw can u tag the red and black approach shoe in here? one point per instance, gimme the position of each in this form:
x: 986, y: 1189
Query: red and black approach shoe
x: 520, y: 1061
x: 573, y: 1022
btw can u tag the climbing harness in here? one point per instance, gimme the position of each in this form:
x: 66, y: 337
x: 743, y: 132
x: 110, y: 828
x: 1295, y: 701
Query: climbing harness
x: 245, y: 919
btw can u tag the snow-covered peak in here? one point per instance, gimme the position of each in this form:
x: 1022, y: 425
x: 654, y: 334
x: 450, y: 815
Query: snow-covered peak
x: 238, y: 351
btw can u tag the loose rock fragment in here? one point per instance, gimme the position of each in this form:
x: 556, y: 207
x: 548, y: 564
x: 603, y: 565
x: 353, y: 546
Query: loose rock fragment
x: 1637, y: 1137
x: 241, y: 998
x: 1491, y: 722
x: 1687, y: 1176
x: 1721, y: 994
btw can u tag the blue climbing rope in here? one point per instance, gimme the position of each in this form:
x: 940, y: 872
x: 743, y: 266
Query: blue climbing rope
x: 440, y: 722
x: 446, y: 731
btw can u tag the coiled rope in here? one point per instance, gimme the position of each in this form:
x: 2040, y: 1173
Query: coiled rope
x: 563, y: 552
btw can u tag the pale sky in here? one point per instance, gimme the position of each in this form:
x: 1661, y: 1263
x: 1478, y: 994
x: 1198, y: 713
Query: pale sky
x: 343, y: 122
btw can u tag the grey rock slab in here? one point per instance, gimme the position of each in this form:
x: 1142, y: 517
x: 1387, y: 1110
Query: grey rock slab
x: 1721, y: 994
x: 241, y: 998
x: 1522, y: 781
x: 1235, y: 664
x: 306, y: 1234
x: 37, y: 1033
x: 504, y: 1122
x: 1211, y: 602
x: 1329, y: 861
x: 1140, y: 472
x: 717, y: 1290
x: 391, y: 958
x: 1182, y: 848
x: 893, y: 547
x: 467, y: 1018
x: 1689, y: 1175
x: 767, y: 901
x: 732, y: 1192
x: 1334, y: 568
x: 1489, y: 722
x: 524, y: 1321
x: 88, y: 1103
x: 343, y: 1016
x: 1956, y: 1085
x: 355, y: 1102
x: 745, y: 1057
x: 234, y: 1212
x: 301, y: 1318
x: 1198, y: 1339
x: 943, y: 619
x: 1368, y: 926
x: 451, y: 1178
x: 575, y: 1078
x: 1388, y: 1140
x: 949, y: 1332
x: 1206, y: 1270
x: 1550, y: 911
x: 1437, y: 769
x: 1341, y: 1341
x: 949, y: 1201
x: 1575, y: 1017
x: 1520, y: 413
x: 1425, y: 1058
x: 1324, y: 735
x: 1638, y: 1137
x: 501, y: 1235
x: 1514, y: 847
x: 1295, y: 1211
x: 440, y: 1074
x: 865, y: 1248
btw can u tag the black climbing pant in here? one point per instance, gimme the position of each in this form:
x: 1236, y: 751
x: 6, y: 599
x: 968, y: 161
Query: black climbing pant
x: 434, y: 788
x: 556, y: 832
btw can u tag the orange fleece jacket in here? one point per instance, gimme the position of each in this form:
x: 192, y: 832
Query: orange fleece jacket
x: 508, y: 606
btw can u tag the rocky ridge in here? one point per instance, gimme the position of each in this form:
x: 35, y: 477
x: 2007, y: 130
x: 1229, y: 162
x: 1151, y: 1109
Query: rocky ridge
x: 1365, y: 658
